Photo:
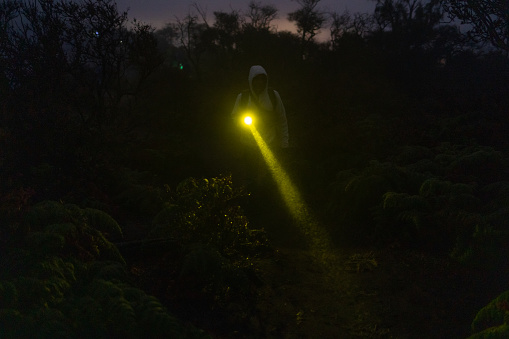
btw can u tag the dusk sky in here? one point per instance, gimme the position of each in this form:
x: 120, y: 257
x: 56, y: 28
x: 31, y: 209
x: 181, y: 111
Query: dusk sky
x: 160, y: 12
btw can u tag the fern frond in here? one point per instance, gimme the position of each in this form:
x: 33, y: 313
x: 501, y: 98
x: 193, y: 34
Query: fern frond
x: 434, y: 187
x: 404, y: 202
x: 107, y: 250
x: 461, y: 188
x: 55, y: 267
x: 64, y: 229
x: 104, y: 290
x: 46, y: 213
x: 108, y: 270
x: 43, y: 243
x: 494, y: 314
x: 464, y: 201
x: 121, y: 317
x: 102, y: 221
x: 88, y: 315
x: 154, y: 319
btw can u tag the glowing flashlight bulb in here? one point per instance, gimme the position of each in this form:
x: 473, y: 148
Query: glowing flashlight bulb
x: 248, y: 120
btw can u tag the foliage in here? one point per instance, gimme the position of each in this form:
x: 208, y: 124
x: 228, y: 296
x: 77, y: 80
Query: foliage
x: 355, y: 195
x: 409, y: 27
x: 207, y: 277
x: 137, y: 192
x: 65, y: 229
x: 309, y: 21
x: 345, y: 26
x: 492, y: 320
x: 190, y: 34
x: 82, y: 49
x: 361, y: 262
x: 439, y: 200
x: 207, y: 211
x: 482, y: 164
x: 260, y: 16
x: 488, y: 19
x: 414, y: 15
x: 62, y: 299
x: 64, y: 279
x: 210, y: 263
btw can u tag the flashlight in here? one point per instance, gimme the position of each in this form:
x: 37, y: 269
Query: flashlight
x: 248, y: 120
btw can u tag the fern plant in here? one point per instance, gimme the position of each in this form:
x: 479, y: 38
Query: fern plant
x: 355, y: 198
x: 492, y: 321
x: 66, y: 229
x: 401, y: 217
x: 66, y: 280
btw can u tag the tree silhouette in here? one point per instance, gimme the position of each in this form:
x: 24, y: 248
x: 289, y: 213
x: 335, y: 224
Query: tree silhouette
x: 227, y: 27
x: 55, y: 51
x: 411, y: 23
x: 309, y: 20
x: 260, y: 17
x: 342, y: 25
x: 190, y: 33
x: 489, y: 19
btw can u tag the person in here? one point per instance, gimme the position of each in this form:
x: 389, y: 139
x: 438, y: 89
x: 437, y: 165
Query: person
x: 269, y: 120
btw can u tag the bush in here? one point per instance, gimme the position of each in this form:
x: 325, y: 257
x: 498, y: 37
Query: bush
x: 213, y: 271
x: 64, y: 279
x: 207, y: 211
x: 355, y: 197
x: 492, y: 321
x: 66, y: 229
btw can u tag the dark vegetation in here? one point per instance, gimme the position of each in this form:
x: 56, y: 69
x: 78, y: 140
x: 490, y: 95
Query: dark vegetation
x: 121, y: 216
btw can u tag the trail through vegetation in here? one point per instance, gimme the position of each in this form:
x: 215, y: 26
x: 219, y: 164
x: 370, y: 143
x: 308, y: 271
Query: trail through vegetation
x: 356, y: 292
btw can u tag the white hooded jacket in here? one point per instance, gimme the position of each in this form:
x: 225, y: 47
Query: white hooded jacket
x: 277, y: 132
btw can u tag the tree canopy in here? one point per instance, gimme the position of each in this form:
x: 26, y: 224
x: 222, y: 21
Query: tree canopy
x: 489, y: 19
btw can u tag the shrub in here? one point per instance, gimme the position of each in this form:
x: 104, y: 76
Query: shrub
x: 66, y: 229
x: 213, y: 272
x: 64, y: 279
x: 206, y: 211
x: 492, y: 321
x: 355, y: 197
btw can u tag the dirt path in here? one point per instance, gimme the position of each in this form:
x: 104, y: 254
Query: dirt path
x: 315, y: 291
x: 312, y: 290
x: 303, y: 299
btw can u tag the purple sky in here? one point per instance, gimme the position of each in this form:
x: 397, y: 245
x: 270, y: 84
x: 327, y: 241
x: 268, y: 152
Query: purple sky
x: 159, y: 12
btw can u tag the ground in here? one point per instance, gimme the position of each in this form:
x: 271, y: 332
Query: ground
x: 363, y: 293
x: 305, y: 291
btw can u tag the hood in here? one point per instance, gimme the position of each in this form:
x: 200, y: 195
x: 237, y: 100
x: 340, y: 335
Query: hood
x: 254, y: 71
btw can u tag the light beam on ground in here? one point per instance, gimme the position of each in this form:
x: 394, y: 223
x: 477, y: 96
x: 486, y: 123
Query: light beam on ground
x: 320, y: 243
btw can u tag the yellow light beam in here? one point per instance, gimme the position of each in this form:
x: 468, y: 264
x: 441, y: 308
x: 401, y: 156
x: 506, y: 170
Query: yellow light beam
x: 320, y: 242
x: 320, y: 246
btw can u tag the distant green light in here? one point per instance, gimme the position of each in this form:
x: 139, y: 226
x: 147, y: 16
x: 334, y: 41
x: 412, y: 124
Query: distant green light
x: 181, y: 67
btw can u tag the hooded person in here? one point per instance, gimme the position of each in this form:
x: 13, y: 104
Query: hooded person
x: 269, y: 118
x: 268, y: 108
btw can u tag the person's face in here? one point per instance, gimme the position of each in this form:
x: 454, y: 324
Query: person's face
x: 259, y: 83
